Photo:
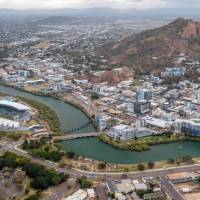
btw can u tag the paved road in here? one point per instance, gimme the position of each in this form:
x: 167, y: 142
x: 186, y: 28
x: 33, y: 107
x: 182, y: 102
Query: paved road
x: 74, y: 173
x: 60, y: 192
x: 169, y: 188
x: 77, y: 173
x: 78, y: 135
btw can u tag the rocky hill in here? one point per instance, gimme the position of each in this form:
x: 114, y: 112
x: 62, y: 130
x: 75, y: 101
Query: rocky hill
x: 154, y: 49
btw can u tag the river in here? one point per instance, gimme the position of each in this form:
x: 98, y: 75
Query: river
x: 69, y: 116
x: 72, y: 118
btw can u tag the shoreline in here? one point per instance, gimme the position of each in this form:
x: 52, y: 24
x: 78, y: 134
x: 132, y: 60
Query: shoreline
x: 75, y: 105
x: 140, y: 145
x: 81, y: 163
x: 78, y: 107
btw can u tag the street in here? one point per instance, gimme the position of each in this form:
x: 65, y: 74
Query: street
x: 75, y: 173
x: 169, y: 188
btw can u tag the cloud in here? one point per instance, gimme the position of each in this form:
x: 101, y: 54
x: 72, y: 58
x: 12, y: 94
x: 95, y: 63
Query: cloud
x: 140, y: 4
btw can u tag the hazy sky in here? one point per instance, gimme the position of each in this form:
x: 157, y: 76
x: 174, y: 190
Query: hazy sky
x: 139, y: 4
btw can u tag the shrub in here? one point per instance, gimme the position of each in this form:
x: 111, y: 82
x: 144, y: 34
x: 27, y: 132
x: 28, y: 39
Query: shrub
x: 102, y: 165
x: 151, y: 164
x: 141, y: 167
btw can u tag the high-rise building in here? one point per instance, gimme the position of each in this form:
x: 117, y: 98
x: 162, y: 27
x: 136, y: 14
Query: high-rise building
x: 143, y: 95
x: 141, y: 107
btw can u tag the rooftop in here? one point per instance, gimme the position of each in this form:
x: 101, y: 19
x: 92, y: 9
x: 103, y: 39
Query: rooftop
x: 17, y: 106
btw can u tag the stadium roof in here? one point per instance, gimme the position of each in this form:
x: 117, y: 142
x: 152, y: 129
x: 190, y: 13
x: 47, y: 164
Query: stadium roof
x: 9, y: 123
x: 17, y: 106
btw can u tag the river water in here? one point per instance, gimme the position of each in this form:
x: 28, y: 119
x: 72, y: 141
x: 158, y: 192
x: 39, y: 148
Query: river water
x: 72, y: 118
x: 69, y: 116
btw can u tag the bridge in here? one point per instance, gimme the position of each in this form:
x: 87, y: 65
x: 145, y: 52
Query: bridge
x: 79, y: 128
x: 77, y: 135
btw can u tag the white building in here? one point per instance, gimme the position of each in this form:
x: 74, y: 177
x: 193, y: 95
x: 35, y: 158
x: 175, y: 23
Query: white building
x: 6, y: 124
x: 10, y: 78
x: 124, y: 132
x: 143, y: 94
x: 191, y: 126
x: 140, y: 186
x: 174, y: 71
x: 78, y: 195
x: 13, y: 105
x: 99, y: 88
x: 157, y: 123
x: 24, y: 73
x: 119, y: 196
x: 91, y: 193
x: 102, y: 122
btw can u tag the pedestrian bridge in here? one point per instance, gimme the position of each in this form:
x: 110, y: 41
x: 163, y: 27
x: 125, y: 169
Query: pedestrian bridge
x: 77, y: 135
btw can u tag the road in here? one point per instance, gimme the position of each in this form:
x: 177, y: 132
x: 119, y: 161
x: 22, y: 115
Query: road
x: 77, y: 173
x: 169, y: 188
x: 59, y: 192
x: 74, y: 173
x: 78, y: 135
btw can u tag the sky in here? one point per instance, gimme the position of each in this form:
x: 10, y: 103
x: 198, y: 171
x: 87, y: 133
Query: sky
x: 122, y: 4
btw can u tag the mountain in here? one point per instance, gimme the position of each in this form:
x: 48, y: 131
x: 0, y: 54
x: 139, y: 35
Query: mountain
x: 106, y: 12
x: 154, y: 49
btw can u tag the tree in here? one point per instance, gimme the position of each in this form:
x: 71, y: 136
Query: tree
x: 84, y: 182
x: 141, y: 167
x: 9, y: 160
x: 33, y: 197
x: 40, y: 182
x: 151, y: 165
x: 141, y: 193
x: 112, y: 195
x: 94, y: 96
x: 34, y: 170
x: 187, y: 158
x: 102, y: 165
x: 70, y: 154
x: 171, y: 161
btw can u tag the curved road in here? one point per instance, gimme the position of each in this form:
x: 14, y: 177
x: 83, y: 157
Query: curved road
x: 92, y: 175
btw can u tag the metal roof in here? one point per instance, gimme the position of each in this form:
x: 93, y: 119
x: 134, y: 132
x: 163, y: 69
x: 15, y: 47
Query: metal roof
x: 17, y: 106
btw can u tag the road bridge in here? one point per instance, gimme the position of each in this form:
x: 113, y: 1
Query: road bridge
x: 77, y: 135
x: 79, y: 128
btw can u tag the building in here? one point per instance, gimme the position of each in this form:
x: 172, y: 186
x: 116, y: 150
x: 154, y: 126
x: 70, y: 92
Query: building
x: 91, y: 193
x: 157, y: 123
x: 120, y: 196
x: 198, y: 96
x: 155, y: 79
x: 10, y: 105
x: 140, y: 186
x: 125, y: 186
x: 78, y: 195
x: 174, y: 72
x: 124, y: 132
x: 111, y: 186
x: 6, y: 125
x: 16, y: 110
x: 141, y: 107
x: 99, y: 88
x: 155, y: 196
x: 143, y: 94
x: 102, y: 122
x: 24, y: 73
x: 188, y: 127
x: 10, y: 78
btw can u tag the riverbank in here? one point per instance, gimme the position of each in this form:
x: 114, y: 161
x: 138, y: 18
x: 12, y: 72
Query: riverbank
x: 87, y: 110
x: 70, y: 118
x: 144, y: 144
x: 46, y: 114
x: 69, y: 99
